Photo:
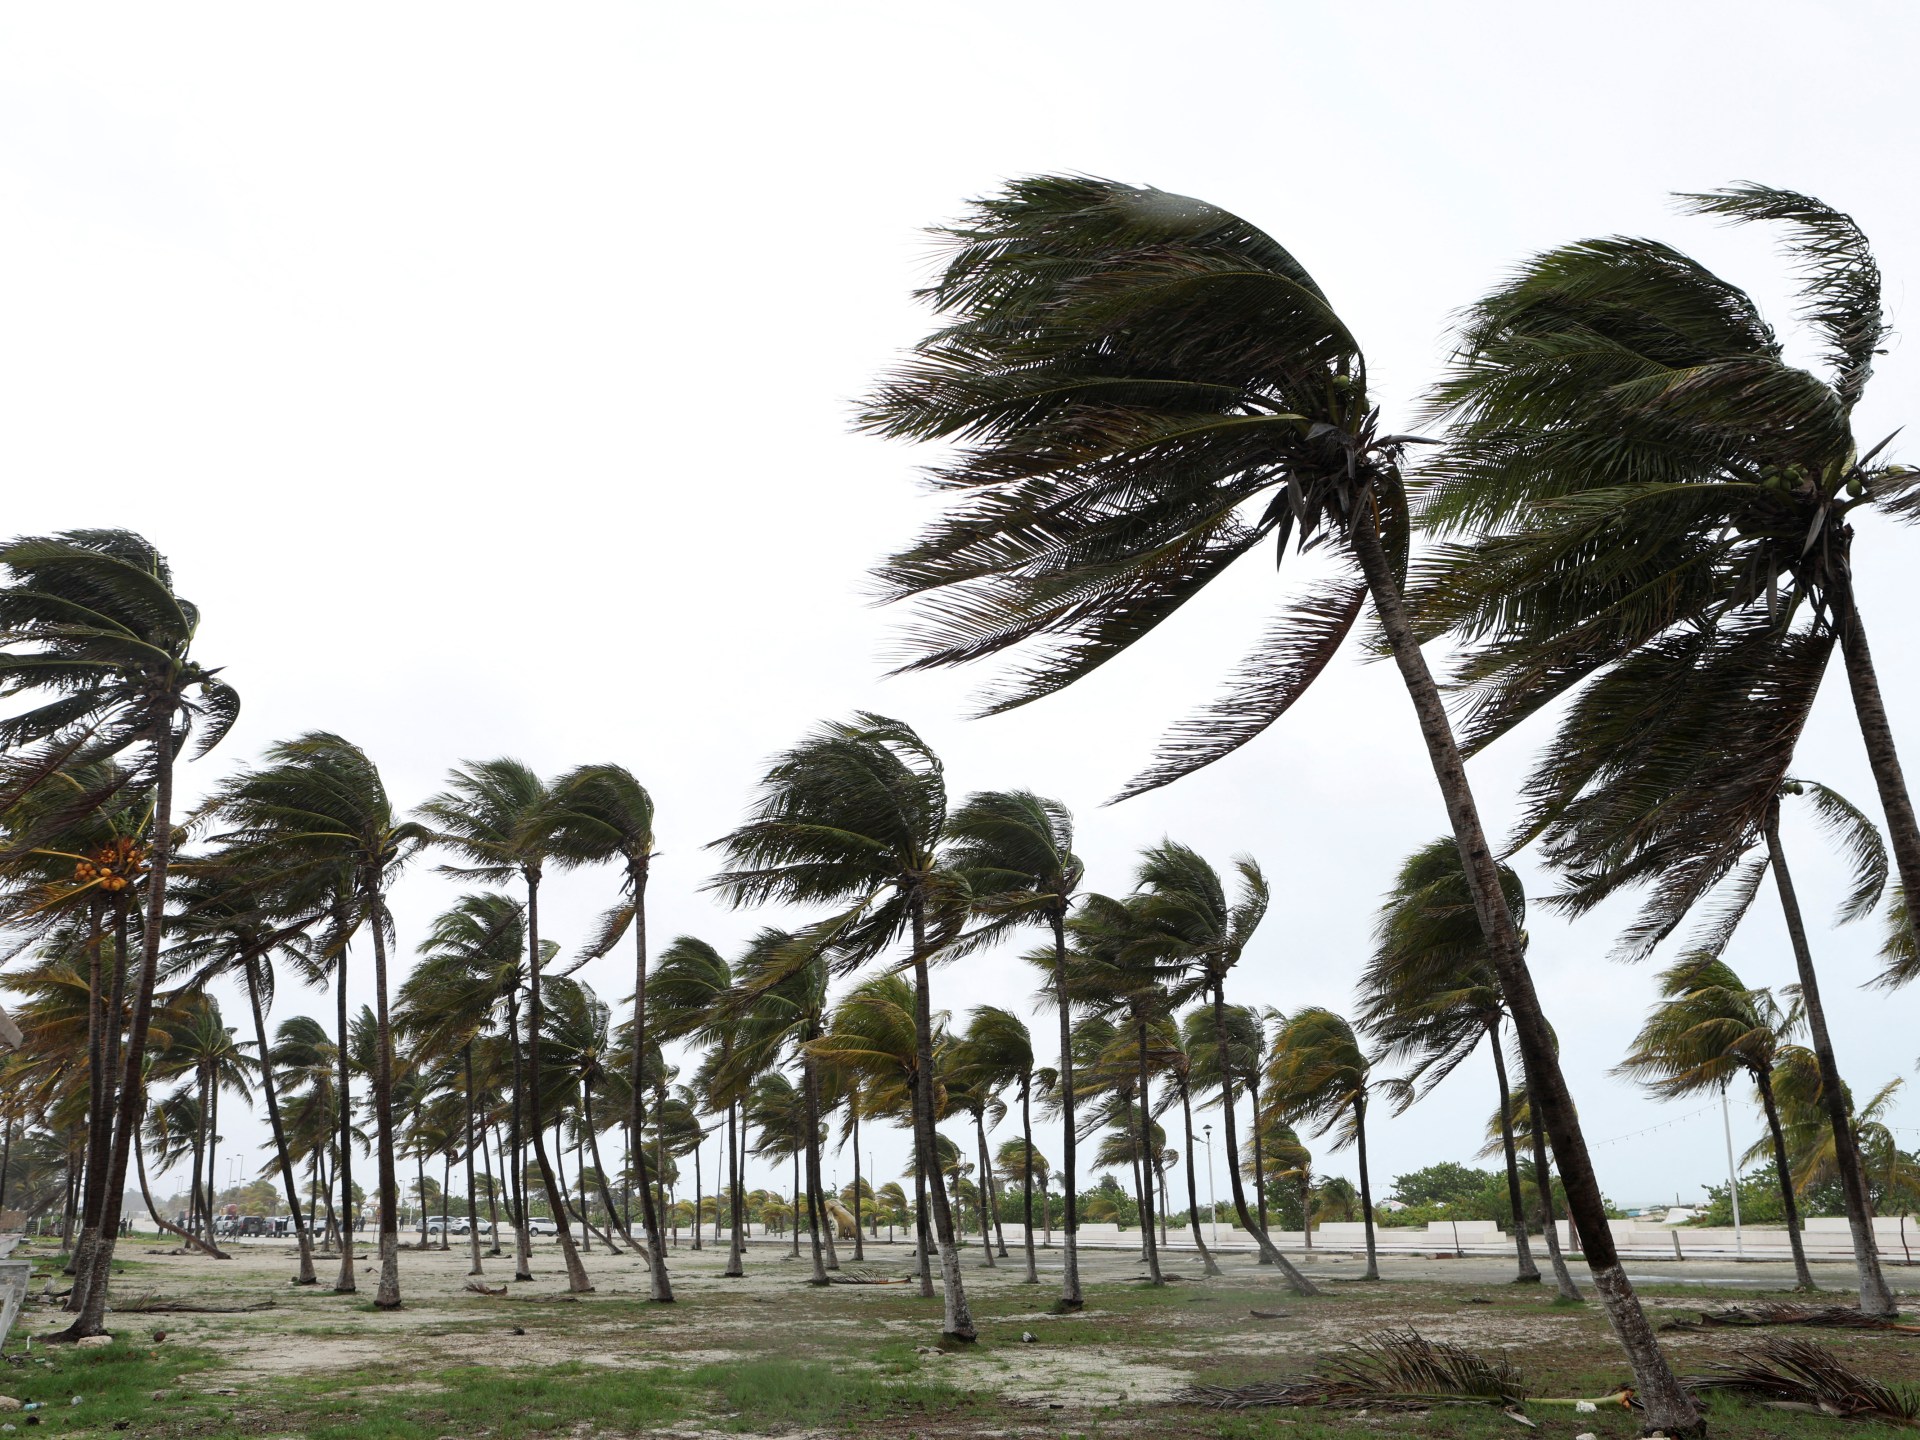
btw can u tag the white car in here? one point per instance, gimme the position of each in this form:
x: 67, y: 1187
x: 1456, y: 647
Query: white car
x: 538, y: 1226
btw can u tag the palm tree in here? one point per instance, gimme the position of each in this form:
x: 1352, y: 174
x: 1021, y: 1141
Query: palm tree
x: 579, y: 1041
x: 471, y: 966
x: 1318, y: 1074
x: 317, y: 809
x: 1148, y: 390
x: 1014, y: 851
x: 91, y: 629
x: 1428, y: 995
x: 688, y: 986
x: 1709, y: 1028
x: 499, y: 818
x: 202, y: 1048
x: 602, y: 814
x: 1617, y: 399
x: 854, y: 815
x: 997, y: 1052
x: 1177, y: 1062
x: 1200, y: 926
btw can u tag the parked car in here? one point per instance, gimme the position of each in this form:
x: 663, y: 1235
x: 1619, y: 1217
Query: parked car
x: 539, y: 1226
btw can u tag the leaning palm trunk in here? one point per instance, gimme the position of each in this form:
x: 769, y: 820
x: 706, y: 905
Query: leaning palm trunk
x: 344, y: 1283
x: 387, y: 1296
x: 1875, y: 1298
x: 146, y: 1193
x: 473, y: 1206
x: 1147, y: 1157
x: 736, y: 1202
x: 957, y: 1319
x: 1026, y: 1175
x: 1876, y: 732
x: 132, y: 1098
x: 100, y: 1092
x: 810, y: 1084
x: 1783, y: 1168
x: 1366, y: 1187
x: 1269, y: 1252
x: 1550, y: 1225
x: 577, y: 1282
x: 987, y: 1207
x: 1071, y: 1297
x: 1193, y: 1193
x: 1529, y: 1272
x: 922, y: 1234
x: 1668, y: 1407
x: 660, y: 1288
x: 301, y: 1236
x: 614, y: 1222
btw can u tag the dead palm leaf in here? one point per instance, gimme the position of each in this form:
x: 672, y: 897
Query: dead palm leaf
x: 1799, y: 1375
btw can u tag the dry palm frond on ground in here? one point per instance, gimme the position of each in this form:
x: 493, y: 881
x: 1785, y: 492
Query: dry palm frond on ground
x: 1799, y: 1375
x: 1394, y: 1369
x: 1840, y: 1317
x: 866, y: 1277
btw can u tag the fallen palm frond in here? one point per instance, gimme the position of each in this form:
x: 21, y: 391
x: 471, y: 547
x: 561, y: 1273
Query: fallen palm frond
x: 1769, y: 1312
x: 1268, y: 1314
x: 1799, y: 1375
x: 867, y: 1277
x: 1391, y: 1370
x: 480, y: 1287
x: 155, y: 1305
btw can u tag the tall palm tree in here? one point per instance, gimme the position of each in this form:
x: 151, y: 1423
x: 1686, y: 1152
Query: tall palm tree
x: 1202, y: 927
x: 688, y: 987
x: 1429, y: 997
x: 1319, y: 1075
x: 1637, y: 458
x: 1708, y: 1028
x: 1014, y: 851
x: 1149, y: 389
x: 499, y: 817
x: 854, y: 815
x: 602, y: 814
x: 93, y: 633
x: 1178, y: 1065
x: 997, y: 1051
x: 317, y: 808
x: 471, y: 965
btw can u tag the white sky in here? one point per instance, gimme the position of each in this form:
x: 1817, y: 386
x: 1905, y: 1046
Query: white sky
x: 486, y: 373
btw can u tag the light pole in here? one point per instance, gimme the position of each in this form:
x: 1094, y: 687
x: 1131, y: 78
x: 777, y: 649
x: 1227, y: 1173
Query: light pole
x: 1213, y: 1203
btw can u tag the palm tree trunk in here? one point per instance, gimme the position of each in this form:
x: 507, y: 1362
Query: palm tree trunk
x: 1875, y: 1298
x: 1366, y: 1187
x: 985, y: 1193
x: 446, y: 1179
x: 146, y: 1193
x: 1146, y: 1152
x: 1783, y: 1169
x: 736, y: 1202
x: 387, y: 1295
x: 699, y: 1199
x: 923, y: 1234
x: 132, y: 1098
x: 810, y: 1085
x: 1259, y: 1158
x: 659, y: 1286
x: 1529, y: 1272
x: 493, y: 1187
x: 794, y: 1253
x: 516, y: 1156
x: 1668, y: 1407
x: 1269, y: 1252
x: 1026, y: 1173
x: 859, y: 1237
x: 1543, y: 1178
x: 344, y: 1283
x: 1870, y: 710
x: 577, y: 1282
x: 99, y: 1124
x: 1193, y: 1193
x: 1071, y: 1297
x: 957, y: 1320
x: 213, y: 1143
x: 473, y: 1204
x: 300, y: 1231
x: 614, y: 1222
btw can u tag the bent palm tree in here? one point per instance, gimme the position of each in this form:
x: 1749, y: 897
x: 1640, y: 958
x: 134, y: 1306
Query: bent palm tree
x: 854, y: 815
x: 499, y: 818
x: 1151, y: 389
x: 1317, y: 1074
x: 998, y: 1052
x: 1429, y: 996
x: 1014, y: 851
x: 1708, y: 1028
x: 93, y: 633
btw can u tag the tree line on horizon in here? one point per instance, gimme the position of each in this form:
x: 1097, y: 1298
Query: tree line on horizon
x: 1634, y: 510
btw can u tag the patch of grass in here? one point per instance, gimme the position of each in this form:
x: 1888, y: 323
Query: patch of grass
x: 777, y: 1394
x: 114, y: 1382
x: 508, y: 1405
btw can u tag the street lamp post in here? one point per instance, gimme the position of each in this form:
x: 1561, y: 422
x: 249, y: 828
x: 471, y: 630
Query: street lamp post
x: 1213, y: 1203
x: 1733, y: 1176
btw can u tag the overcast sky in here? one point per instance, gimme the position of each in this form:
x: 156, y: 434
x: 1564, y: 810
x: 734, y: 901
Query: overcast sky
x: 486, y: 373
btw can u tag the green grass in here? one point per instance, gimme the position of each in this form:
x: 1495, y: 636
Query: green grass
x: 114, y: 1382
x: 803, y: 1394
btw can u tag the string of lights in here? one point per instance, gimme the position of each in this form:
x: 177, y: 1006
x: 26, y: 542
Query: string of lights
x: 1663, y: 1125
